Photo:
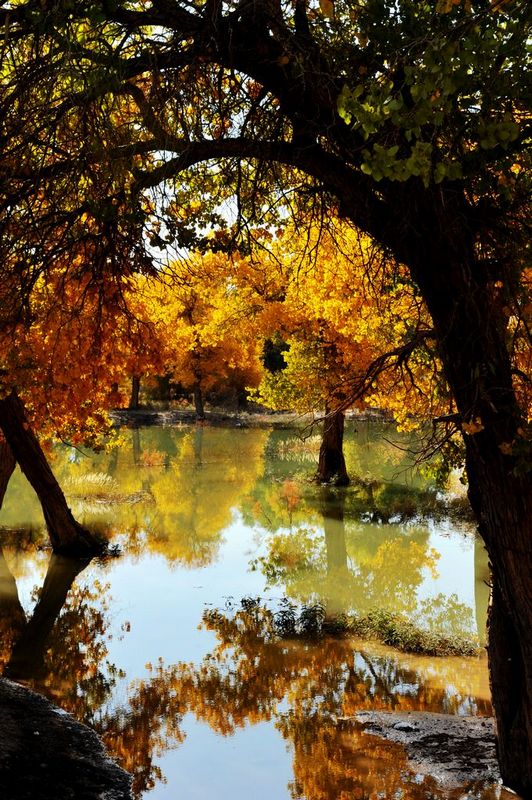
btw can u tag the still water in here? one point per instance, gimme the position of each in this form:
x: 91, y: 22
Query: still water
x: 192, y: 691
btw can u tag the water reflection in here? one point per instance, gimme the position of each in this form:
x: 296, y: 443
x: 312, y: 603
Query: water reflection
x: 351, y: 565
x: 27, y: 659
x: 59, y: 649
x: 251, y: 676
x: 171, y: 498
x: 61, y: 652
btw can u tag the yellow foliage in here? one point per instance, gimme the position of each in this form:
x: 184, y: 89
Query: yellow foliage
x: 339, y: 309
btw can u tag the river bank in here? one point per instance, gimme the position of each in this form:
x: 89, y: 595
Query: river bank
x: 279, y: 420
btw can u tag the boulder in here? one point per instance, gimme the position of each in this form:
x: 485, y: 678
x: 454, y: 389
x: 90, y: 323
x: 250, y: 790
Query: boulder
x: 45, y: 754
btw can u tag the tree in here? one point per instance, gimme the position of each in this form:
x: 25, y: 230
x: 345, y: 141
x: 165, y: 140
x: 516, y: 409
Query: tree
x: 339, y: 307
x: 56, y: 374
x: 410, y: 119
x: 203, y: 328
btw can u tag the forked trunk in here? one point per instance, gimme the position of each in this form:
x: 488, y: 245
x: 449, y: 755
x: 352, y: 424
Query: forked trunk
x: 331, y: 464
x: 66, y: 535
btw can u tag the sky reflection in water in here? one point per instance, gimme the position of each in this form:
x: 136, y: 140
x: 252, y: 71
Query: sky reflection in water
x: 206, y: 517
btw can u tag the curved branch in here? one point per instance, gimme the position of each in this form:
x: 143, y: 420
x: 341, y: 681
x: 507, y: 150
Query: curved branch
x: 354, y: 189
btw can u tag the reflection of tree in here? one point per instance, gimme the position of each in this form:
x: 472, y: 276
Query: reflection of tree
x: 253, y: 676
x: 147, y: 727
x: 12, y: 617
x: 61, y: 652
x: 195, y: 498
x: 173, y: 491
x: 27, y: 656
x: 351, y: 564
x: 61, y: 649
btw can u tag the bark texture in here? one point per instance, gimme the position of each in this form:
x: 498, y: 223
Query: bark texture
x: 472, y: 334
x: 134, y: 400
x: 331, y: 464
x: 66, y: 535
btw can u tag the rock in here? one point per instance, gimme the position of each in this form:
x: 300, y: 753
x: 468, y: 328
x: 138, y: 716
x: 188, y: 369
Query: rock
x: 45, y: 754
x: 404, y: 726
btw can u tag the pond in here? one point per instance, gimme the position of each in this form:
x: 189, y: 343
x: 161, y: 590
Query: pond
x: 174, y: 651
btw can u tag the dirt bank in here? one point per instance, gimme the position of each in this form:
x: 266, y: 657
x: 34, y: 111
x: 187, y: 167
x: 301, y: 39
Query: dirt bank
x: 456, y: 751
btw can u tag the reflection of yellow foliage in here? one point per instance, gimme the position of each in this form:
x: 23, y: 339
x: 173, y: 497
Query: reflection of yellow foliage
x: 290, y: 493
x: 251, y: 676
x: 176, y: 505
x: 393, y: 554
x: 152, y: 458
x: 196, y: 496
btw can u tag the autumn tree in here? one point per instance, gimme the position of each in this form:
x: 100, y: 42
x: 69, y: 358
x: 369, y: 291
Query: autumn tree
x: 339, y: 306
x: 410, y: 119
x: 203, y: 327
x: 56, y: 383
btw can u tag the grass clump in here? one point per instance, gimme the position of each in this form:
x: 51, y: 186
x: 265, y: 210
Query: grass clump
x: 311, y: 622
x: 396, y: 631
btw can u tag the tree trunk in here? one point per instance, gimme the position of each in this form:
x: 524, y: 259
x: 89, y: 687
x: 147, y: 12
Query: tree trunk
x: 471, y: 331
x: 502, y: 502
x: 66, y: 535
x: 27, y: 657
x: 331, y: 464
x: 134, y: 403
x: 7, y: 467
x: 163, y: 388
x: 198, y: 402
